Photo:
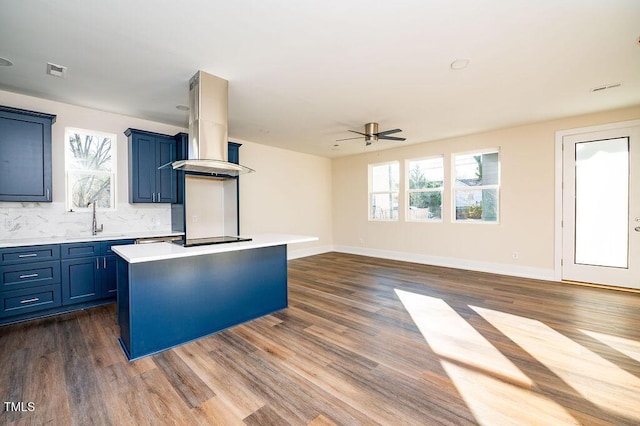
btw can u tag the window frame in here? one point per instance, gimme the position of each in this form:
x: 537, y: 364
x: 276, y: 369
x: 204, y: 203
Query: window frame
x: 68, y: 131
x: 370, y: 192
x: 409, y: 191
x: 455, y: 187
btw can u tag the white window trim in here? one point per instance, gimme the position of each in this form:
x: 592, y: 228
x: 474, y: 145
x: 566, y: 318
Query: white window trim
x: 455, y: 188
x: 370, y: 192
x: 410, y: 191
x: 114, y: 144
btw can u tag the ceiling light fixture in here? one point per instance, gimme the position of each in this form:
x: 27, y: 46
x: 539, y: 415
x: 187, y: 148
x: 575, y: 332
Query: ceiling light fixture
x: 459, y: 64
x: 4, y: 62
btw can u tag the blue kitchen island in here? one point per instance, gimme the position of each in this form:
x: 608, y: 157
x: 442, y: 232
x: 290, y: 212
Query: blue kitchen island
x: 169, y: 294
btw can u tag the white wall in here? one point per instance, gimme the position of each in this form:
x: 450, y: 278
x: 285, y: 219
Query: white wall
x: 289, y: 193
x: 526, y: 203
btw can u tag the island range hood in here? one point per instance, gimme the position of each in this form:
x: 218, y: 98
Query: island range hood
x: 208, y: 134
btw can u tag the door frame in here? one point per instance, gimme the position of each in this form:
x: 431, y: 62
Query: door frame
x: 560, y: 134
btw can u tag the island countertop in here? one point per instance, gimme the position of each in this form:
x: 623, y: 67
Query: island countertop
x: 139, y: 253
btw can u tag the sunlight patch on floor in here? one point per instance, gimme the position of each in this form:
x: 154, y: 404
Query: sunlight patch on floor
x: 494, y: 389
x: 630, y: 348
x: 571, y: 362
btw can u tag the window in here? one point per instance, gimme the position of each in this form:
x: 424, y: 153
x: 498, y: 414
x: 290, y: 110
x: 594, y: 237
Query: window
x: 90, y: 168
x: 384, y: 182
x: 476, y: 186
x: 425, y: 179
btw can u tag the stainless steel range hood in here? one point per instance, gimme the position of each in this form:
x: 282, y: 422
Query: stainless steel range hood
x: 208, y: 135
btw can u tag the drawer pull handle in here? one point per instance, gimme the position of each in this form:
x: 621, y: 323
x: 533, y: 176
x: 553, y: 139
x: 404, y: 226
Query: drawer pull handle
x: 35, y: 299
x: 27, y: 255
x: 28, y: 276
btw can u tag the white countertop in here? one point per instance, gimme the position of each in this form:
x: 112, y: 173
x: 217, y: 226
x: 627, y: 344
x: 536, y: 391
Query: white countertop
x: 83, y: 238
x: 161, y: 251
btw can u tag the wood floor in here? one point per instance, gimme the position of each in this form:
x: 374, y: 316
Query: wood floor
x: 364, y: 341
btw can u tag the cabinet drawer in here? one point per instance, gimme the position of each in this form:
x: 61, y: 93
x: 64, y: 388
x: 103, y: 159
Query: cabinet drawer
x: 14, y: 277
x: 106, y: 246
x: 29, y: 300
x: 70, y: 251
x: 14, y: 255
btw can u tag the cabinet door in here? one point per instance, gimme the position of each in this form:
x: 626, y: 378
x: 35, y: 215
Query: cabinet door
x: 166, y: 177
x: 109, y: 276
x: 142, y: 181
x: 80, y: 280
x: 25, y: 155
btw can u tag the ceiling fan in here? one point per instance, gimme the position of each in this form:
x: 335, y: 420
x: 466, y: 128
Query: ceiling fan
x: 371, y: 134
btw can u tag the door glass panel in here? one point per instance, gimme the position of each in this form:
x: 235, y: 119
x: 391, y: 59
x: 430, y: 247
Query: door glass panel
x: 602, y: 203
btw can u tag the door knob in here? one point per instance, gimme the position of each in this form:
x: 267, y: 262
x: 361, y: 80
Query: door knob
x: 637, y: 228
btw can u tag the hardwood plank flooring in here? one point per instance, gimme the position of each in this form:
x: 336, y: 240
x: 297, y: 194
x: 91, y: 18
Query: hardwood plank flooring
x: 364, y: 341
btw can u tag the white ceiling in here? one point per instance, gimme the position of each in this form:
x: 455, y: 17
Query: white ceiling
x: 301, y: 73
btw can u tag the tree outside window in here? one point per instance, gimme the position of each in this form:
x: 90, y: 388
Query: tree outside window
x: 426, y: 180
x: 90, y: 166
x: 476, y: 186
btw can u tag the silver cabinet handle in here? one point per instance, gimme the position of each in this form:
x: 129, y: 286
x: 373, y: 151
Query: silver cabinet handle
x: 48, y: 195
x: 153, y: 197
x: 28, y: 276
x: 104, y: 263
x: 97, y: 264
x: 28, y: 255
x: 35, y: 299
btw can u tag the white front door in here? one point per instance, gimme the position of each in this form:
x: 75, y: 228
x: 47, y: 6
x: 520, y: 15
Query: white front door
x: 601, y: 207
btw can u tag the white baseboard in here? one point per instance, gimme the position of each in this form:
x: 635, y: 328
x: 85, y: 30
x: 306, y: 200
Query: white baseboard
x: 452, y: 262
x: 311, y: 251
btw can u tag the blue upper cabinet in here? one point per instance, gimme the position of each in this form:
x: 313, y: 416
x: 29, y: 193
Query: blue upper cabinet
x: 25, y: 155
x: 233, y: 151
x: 147, y: 152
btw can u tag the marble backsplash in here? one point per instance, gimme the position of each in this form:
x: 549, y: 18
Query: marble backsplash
x: 41, y: 220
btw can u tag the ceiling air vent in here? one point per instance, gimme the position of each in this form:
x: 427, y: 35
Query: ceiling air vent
x: 56, y: 70
x: 605, y: 87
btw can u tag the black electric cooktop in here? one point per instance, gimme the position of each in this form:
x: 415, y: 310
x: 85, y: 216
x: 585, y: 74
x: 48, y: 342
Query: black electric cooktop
x: 210, y: 240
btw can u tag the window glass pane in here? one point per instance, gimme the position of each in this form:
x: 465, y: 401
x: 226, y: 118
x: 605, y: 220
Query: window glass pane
x: 477, y: 204
x: 385, y: 177
x: 88, y: 152
x: 384, y: 206
x: 89, y: 163
x: 602, y: 203
x: 85, y: 188
x: 427, y: 173
x: 477, y: 169
x: 425, y: 205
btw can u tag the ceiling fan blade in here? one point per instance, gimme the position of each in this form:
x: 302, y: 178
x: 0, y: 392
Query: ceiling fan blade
x: 388, y: 132
x: 360, y: 133
x: 392, y: 138
x: 348, y: 139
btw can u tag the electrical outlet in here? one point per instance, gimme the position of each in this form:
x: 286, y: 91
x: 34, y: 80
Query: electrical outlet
x: 361, y: 241
x: 515, y: 255
x: 194, y: 218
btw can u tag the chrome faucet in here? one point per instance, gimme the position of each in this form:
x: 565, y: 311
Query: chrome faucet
x: 94, y: 224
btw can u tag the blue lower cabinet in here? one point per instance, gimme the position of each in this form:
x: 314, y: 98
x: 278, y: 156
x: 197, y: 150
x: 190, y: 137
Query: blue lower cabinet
x: 80, y: 280
x: 29, y: 300
x: 109, y: 276
x: 165, y: 303
x: 37, y: 274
